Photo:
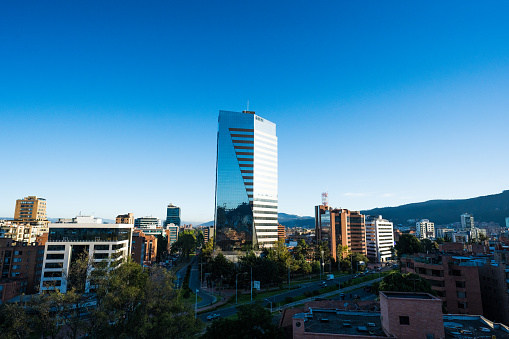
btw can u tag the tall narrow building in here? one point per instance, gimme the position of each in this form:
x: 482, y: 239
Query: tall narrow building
x: 246, y: 182
x: 338, y: 226
x: 172, y: 215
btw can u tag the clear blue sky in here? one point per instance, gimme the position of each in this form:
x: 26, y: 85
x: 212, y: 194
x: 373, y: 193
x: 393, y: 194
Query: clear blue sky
x: 111, y: 107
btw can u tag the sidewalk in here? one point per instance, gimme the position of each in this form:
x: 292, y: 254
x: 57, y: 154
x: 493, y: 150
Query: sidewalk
x: 226, y: 294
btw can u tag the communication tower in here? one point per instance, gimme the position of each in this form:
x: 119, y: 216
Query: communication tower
x: 325, y: 198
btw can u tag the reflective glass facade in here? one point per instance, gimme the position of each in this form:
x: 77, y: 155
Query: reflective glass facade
x: 246, y: 182
x: 88, y: 234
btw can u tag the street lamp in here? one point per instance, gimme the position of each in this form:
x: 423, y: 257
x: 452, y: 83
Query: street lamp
x: 323, y: 268
x: 359, y: 262
x: 196, y: 304
x: 270, y: 305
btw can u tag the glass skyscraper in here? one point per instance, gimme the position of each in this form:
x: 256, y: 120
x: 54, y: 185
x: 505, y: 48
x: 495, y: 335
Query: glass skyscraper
x: 246, y: 182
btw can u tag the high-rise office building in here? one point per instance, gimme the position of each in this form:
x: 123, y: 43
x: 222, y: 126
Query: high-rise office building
x: 246, y: 182
x: 172, y: 215
x: 379, y: 239
x: 338, y: 226
x: 30, y: 210
x: 467, y: 221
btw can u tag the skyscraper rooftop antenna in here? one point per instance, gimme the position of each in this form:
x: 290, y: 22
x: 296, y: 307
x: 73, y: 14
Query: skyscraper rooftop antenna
x: 247, y: 106
x: 325, y: 198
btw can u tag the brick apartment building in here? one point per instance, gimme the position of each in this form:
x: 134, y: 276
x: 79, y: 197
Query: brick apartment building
x: 454, y: 278
x: 399, y: 315
x: 21, y: 261
x: 144, y: 248
x: 340, y: 227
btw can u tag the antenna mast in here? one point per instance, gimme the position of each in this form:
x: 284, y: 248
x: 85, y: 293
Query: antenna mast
x: 325, y: 198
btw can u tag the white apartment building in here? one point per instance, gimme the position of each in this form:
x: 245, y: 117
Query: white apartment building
x: 425, y: 229
x: 379, y: 238
x: 22, y: 232
x: 467, y: 221
x: 67, y: 240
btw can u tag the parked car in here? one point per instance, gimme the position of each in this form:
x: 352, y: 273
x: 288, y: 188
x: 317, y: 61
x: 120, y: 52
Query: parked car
x: 323, y: 284
x: 213, y: 316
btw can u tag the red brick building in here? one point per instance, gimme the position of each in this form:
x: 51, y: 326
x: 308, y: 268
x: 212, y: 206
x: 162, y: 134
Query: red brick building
x: 11, y: 287
x: 454, y: 278
x: 21, y: 260
x: 144, y: 248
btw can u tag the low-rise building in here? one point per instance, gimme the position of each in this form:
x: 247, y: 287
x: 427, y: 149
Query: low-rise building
x: 144, y: 248
x: 21, y: 260
x: 125, y: 219
x: 66, y: 241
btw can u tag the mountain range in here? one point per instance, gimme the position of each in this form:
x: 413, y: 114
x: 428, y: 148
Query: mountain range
x: 487, y: 208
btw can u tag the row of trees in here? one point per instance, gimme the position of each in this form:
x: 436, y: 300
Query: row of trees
x: 274, y: 265
x: 129, y: 302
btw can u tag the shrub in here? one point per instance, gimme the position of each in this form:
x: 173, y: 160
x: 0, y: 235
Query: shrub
x: 288, y: 299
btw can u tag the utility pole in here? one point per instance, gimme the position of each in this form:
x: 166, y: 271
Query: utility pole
x: 236, y: 276
x: 251, y: 283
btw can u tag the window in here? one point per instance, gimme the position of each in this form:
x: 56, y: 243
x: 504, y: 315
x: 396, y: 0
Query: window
x: 460, y: 284
x: 102, y: 247
x: 18, y: 252
x: 461, y: 295
x: 53, y: 265
x: 56, y: 247
x: 404, y: 320
x: 100, y: 255
x: 16, y: 260
x: 16, y: 267
x: 462, y: 305
x: 55, y: 256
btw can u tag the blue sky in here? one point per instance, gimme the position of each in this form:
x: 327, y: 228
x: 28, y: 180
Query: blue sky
x: 109, y: 108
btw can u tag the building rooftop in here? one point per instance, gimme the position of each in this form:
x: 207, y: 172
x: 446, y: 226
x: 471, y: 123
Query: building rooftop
x: 408, y: 295
x: 473, y: 326
x: 342, y: 322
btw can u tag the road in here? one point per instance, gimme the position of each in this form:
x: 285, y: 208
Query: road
x: 226, y: 312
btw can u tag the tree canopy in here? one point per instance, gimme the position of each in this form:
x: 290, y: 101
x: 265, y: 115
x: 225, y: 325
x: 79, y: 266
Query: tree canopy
x: 407, y: 244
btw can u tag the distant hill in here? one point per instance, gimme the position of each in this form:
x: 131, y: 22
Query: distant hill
x: 288, y: 220
x: 486, y: 208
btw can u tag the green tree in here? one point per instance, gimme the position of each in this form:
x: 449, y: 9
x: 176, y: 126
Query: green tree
x: 429, y: 246
x: 138, y: 303
x: 254, y: 321
x: 408, y: 282
x: 358, y: 258
x: 301, y: 251
x: 43, y: 308
x: 14, y: 321
x: 200, y: 238
x: 448, y: 238
x: 185, y: 243
x: 440, y: 241
x: 407, y: 244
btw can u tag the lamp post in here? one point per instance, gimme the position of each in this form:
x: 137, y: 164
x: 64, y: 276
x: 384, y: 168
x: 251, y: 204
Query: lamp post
x: 323, y: 264
x: 251, y: 283
x: 236, y: 278
x: 196, y: 305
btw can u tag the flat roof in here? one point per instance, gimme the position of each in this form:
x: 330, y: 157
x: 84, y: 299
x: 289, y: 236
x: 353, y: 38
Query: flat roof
x: 461, y: 326
x: 343, y: 322
x: 408, y: 295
